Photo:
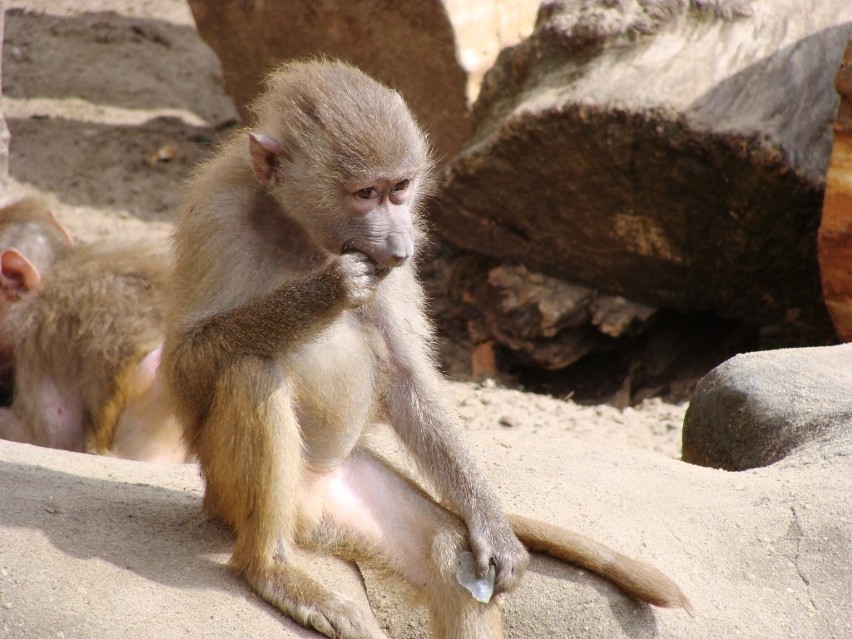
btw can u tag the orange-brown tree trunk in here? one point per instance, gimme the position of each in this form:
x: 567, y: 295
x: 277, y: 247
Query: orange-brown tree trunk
x: 835, y: 232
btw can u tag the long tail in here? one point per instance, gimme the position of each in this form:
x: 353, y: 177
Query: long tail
x: 636, y: 578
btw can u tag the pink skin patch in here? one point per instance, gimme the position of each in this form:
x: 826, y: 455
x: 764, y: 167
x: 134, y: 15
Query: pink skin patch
x: 147, y: 430
x: 146, y: 370
x: 62, y: 417
x: 375, y: 508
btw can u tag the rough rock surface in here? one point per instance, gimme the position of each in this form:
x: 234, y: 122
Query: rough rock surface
x: 667, y: 151
x: 835, y: 231
x: 433, y: 51
x: 4, y: 130
x: 96, y: 547
x: 757, y: 408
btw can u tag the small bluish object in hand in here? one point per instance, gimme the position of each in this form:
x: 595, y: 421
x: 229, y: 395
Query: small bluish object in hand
x: 481, y: 588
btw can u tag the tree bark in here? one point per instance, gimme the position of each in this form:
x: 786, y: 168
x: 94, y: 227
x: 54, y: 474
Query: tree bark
x: 835, y: 232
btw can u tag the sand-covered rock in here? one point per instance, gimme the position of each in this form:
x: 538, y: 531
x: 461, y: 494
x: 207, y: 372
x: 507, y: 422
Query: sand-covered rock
x: 100, y: 548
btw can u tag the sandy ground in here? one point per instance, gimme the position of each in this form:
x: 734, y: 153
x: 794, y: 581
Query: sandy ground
x: 111, y: 103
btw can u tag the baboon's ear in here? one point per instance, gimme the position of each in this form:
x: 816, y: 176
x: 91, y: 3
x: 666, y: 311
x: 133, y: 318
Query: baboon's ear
x: 266, y: 155
x: 62, y: 230
x: 18, y: 276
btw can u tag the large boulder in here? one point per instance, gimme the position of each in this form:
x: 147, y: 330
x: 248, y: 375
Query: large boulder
x: 757, y: 408
x: 666, y: 151
x: 433, y: 51
x: 98, y: 547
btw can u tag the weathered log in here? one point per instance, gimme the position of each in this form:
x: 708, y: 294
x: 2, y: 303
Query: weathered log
x: 543, y: 321
x: 835, y: 231
x: 666, y: 151
x: 433, y: 51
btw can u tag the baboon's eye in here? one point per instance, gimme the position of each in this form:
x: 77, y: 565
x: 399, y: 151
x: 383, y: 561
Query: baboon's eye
x: 367, y: 194
x: 401, y: 186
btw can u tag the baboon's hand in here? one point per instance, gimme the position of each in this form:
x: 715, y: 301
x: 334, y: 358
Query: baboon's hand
x: 492, y: 541
x: 359, y: 278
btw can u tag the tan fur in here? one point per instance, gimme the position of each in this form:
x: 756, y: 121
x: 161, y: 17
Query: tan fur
x: 77, y: 341
x: 634, y: 577
x: 296, y: 324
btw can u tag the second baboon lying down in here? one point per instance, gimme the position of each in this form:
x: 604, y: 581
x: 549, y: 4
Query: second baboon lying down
x: 81, y: 326
x: 296, y: 325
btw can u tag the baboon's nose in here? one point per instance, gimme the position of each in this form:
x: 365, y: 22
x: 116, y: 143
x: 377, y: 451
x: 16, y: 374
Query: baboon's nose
x: 400, y: 249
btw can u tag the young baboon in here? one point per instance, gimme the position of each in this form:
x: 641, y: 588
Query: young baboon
x: 296, y: 323
x: 81, y: 328
x: 31, y: 239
